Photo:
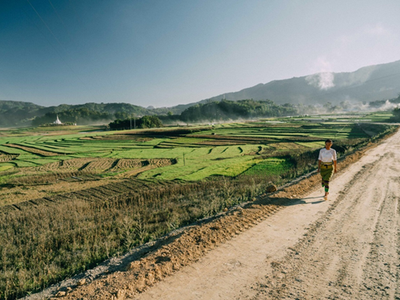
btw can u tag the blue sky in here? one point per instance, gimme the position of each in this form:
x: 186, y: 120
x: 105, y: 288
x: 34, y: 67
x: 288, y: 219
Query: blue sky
x: 164, y: 53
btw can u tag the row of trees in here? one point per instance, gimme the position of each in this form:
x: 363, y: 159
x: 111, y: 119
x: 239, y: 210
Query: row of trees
x: 230, y: 110
x: 15, y: 113
x: 90, y: 113
x: 143, y: 122
x: 212, y: 111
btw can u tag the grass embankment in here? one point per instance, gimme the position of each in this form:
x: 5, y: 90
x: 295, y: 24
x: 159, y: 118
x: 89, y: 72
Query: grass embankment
x: 65, y: 234
x: 42, y: 245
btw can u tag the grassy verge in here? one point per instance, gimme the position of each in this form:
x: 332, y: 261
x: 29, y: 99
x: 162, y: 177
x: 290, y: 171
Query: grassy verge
x: 44, y: 245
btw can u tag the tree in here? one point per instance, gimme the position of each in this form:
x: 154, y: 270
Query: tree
x: 149, y: 122
x: 144, y: 122
x: 396, y: 114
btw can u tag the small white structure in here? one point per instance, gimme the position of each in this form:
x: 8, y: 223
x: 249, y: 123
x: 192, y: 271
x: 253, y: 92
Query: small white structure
x: 58, y: 122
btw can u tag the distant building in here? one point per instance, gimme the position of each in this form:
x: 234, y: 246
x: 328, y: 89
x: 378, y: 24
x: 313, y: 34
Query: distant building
x: 58, y: 122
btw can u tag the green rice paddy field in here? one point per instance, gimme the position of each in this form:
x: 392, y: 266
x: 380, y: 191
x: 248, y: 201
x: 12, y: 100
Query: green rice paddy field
x: 200, y: 152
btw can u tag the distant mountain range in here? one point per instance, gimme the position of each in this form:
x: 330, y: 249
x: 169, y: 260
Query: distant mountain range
x: 378, y: 82
x: 372, y: 83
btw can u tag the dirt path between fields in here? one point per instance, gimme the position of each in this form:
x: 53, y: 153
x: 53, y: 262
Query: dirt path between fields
x: 285, y: 247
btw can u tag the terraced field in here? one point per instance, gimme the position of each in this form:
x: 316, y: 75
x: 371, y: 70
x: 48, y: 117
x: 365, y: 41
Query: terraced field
x: 104, y: 191
x: 176, y: 153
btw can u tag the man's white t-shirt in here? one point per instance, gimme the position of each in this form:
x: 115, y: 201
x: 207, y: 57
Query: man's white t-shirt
x: 327, y: 156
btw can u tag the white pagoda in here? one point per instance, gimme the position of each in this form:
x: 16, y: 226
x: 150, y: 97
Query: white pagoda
x: 58, y: 122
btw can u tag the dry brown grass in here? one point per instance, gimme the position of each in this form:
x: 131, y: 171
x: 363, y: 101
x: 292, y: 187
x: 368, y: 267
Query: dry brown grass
x: 48, y: 239
x: 65, y: 176
x: 15, y: 194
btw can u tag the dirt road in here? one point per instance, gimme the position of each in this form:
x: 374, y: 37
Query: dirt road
x: 345, y: 248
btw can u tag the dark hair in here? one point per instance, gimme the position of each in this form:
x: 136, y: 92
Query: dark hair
x: 328, y: 141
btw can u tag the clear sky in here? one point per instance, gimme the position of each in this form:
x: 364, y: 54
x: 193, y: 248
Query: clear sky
x: 169, y: 52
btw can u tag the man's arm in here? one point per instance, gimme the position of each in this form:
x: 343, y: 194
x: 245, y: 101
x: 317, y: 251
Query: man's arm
x: 319, y: 165
x: 335, y: 166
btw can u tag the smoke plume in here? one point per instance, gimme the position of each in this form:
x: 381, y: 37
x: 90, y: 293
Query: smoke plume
x: 323, y: 80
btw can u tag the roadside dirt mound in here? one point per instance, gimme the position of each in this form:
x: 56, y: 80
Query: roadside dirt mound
x: 190, y: 244
x: 178, y: 251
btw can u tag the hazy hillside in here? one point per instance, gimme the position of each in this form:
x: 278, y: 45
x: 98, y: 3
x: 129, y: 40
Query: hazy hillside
x: 215, y: 111
x: 18, y: 113
x: 366, y: 84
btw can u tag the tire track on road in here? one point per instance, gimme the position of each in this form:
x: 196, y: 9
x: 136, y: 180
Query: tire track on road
x: 328, y: 263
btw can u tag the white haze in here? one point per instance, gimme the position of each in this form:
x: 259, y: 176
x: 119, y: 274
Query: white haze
x: 366, y: 107
x: 388, y: 106
x: 353, y: 106
x: 323, y: 80
x: 323, y: 77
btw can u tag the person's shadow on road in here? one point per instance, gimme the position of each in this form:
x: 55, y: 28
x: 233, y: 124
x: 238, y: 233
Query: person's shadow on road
x: 314, y: 202
x: 288, y: 201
